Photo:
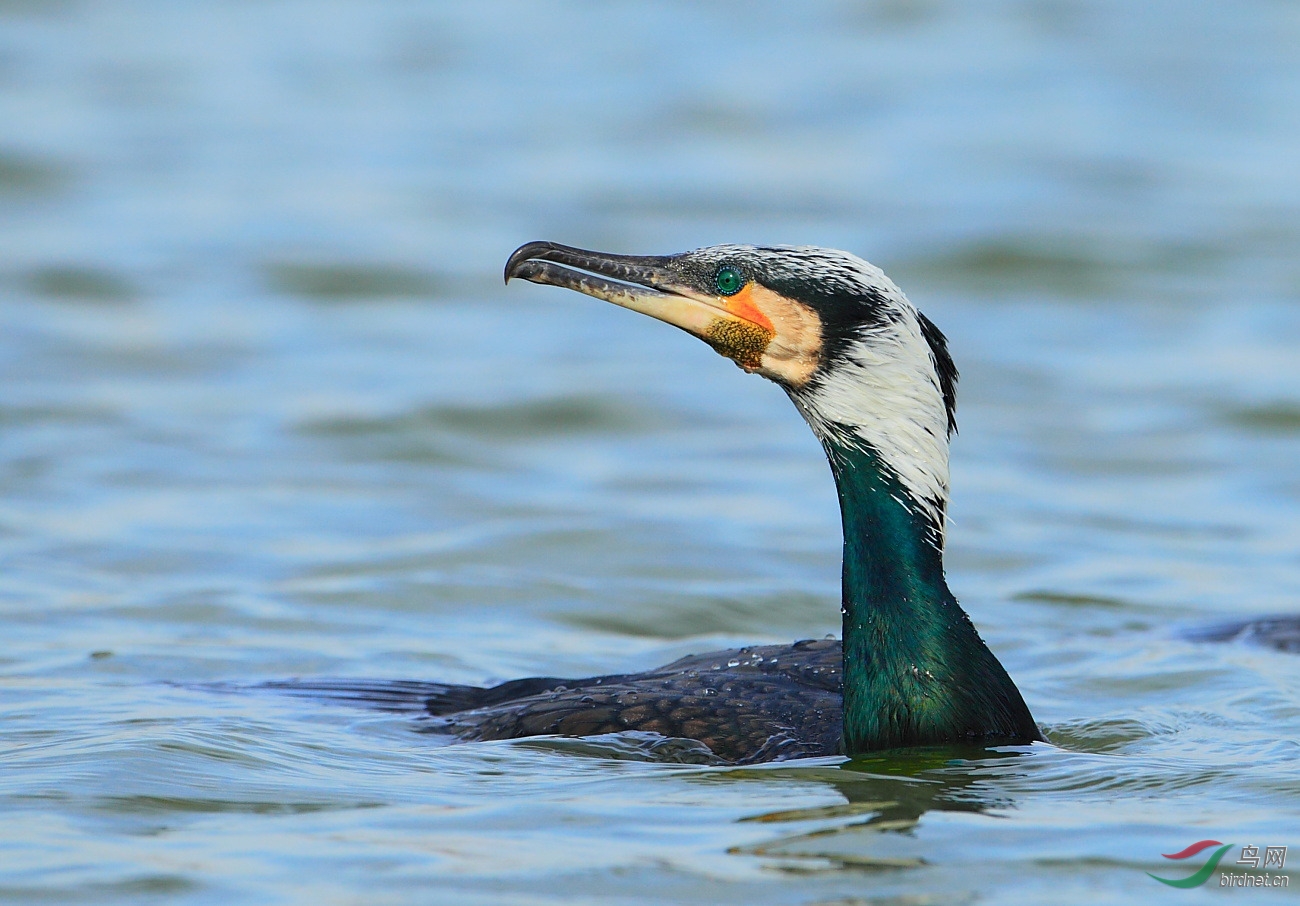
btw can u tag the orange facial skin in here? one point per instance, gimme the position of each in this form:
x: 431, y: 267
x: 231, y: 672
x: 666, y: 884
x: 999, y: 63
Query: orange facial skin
x: 742, y: 305
x: 769, y: 334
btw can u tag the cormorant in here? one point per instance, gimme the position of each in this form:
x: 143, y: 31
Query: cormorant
x: 873, y: 378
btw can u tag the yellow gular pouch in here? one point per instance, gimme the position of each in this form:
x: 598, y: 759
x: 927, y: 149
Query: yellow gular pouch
x: 741, y: 341
x: 768, y: 334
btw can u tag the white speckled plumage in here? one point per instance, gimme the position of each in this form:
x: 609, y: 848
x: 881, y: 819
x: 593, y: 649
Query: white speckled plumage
x: 884, y: 394
x: 883, y: 391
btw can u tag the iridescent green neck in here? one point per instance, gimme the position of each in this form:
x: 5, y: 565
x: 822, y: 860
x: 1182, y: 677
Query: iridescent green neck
x: 915, y: 670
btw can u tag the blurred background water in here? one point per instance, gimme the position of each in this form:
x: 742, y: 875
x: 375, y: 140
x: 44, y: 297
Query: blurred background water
x: 266, y: 410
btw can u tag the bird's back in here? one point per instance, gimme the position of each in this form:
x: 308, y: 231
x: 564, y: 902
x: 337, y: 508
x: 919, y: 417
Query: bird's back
x: 753, y: 704
x: 747, y: 705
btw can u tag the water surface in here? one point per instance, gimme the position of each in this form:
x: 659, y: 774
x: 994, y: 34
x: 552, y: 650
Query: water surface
x: 266, y: 410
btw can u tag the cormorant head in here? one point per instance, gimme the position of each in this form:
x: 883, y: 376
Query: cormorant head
x: 863, y: 366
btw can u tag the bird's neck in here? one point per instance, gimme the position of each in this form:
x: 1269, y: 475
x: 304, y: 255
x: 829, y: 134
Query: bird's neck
x: 915, y: 670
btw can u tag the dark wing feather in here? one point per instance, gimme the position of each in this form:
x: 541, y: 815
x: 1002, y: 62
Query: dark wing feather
x: 747, y: 705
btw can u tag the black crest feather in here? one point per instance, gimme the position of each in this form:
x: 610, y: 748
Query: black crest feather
x: 944, y: 367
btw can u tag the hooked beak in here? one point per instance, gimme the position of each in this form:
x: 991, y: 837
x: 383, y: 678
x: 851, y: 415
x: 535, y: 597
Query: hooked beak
x: 649, y: 284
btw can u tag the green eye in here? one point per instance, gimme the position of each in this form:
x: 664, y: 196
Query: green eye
x: 729, y: 281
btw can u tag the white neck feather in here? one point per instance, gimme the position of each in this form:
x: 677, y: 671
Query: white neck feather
x: 885, y: 394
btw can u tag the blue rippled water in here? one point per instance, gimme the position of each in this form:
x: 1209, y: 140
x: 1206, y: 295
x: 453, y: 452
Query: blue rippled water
x: 266, y: 410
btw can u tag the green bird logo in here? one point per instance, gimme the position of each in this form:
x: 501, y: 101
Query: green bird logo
x: 1201, y: 876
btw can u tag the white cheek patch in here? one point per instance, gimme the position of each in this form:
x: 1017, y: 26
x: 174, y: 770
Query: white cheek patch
x: 885, y: 392
x: 794, y: 353
x: 882, y: 393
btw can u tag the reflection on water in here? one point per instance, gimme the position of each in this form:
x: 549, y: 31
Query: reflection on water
x: 24, y: 174
x: 266, y: 411
x: 348, y: 282
x: 886, y: 793
x: 80, y: 283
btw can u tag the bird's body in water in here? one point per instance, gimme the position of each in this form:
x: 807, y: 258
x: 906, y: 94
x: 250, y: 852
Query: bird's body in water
x: 874, y: 380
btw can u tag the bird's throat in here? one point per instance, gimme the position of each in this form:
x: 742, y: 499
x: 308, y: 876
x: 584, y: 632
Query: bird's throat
x: 915, y: 670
